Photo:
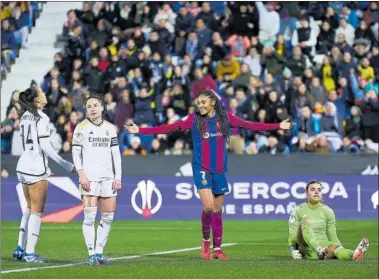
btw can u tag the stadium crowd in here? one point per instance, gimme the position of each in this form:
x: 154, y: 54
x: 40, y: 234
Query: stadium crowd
x: 17, y: 21
x: 315, y: 62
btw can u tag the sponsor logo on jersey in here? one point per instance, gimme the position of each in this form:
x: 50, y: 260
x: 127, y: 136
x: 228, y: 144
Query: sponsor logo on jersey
x: 211, y: 135
x: 99, y: 141
x: 146, y: 190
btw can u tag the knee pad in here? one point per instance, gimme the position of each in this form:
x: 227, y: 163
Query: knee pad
x: 90, y: 215
x: 107, y: 217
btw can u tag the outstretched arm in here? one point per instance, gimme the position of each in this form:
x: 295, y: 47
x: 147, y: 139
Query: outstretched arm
x: 180, y: 125
x: 236, y: 122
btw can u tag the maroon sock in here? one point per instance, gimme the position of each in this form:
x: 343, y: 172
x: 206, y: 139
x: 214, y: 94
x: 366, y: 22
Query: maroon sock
x: 217, y: 229
x: 206, y: 220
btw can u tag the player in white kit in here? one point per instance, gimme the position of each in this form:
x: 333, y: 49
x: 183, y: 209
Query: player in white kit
x: 97, y: 158
x: 33, y: 170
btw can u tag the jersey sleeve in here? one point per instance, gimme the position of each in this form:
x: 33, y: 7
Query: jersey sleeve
x: 293, y: 226
x: 77, y: 146
x: 78, y: 136
x: 331, y: 230
x: 43, y: 129
x: 116, y: 155
x: 236, y: 122
x: 180, y: 125
x: 114, y: 138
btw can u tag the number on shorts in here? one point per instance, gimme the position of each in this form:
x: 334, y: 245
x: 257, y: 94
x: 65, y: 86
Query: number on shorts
x: 202, y: 174
x: 29, y: 139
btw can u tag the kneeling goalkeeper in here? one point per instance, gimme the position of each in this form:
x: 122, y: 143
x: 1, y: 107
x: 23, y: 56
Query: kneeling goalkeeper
x: 312, y: 230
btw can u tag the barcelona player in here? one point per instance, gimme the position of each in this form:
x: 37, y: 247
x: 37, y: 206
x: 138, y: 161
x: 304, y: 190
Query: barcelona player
x: 210, y: 127
x: 312, y: 231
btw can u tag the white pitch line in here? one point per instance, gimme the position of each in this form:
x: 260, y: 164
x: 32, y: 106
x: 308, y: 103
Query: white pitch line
x: 111, y: 259
x: 59, y: 228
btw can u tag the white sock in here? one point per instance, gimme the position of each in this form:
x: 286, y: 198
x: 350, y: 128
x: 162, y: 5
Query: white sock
x: 103, y: 231
x: 23, y: 228
x: 89, y: 228
x: 34, y: 227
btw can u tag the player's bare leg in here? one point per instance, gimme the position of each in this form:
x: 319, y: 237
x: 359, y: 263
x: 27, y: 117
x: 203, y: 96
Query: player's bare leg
x: 107, y: 209
x: 90, y: 211
x: 18, y: 252
x: 206, y: 197
x: 37, y: 194
x: 217, y: 228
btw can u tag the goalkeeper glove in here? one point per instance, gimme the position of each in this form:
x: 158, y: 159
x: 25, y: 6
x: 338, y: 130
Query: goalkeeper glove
x: 322, y: 253
x: 296, y: 255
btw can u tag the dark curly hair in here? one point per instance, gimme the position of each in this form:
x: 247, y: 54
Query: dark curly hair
x: 27, y: 99
x: 224, y: 121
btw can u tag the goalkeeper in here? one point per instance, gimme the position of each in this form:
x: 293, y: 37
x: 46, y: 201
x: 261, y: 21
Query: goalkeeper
x: 312, y: 230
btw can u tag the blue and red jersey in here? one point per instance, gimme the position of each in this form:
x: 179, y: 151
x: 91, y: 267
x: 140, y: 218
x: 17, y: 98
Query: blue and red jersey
x: 209, y: 150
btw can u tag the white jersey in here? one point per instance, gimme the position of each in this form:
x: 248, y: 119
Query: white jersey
x: 96, y: 142
x: 33, y: 160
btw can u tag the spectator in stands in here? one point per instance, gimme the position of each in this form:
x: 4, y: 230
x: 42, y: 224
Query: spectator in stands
x: 201, y: 82
x: 14, y: 103
x: 273, y: 61
x: 319, y: 145
x: 273, y: 146
x: 269, y: 23
x: 297, y: 62
x: 204, y: 35
x: 370, y: 108
x: 70, y: 23
x: 156, y: 147
x: 7, y: 128
x: 354, y: 125
x: 8, y: 44
x: 347, y: 30
x: 253, y: 60
x: 350, y: 15
x: 305, y: 36
x: 228, y: 69
x: 184, y: 22
x: 135, y: 148
x: 117, y: 48
x: 19, y: 21
x: 325, y: 39
x: 331, y: 126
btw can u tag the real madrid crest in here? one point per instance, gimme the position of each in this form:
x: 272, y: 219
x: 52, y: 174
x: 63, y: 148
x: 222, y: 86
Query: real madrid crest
x: 205, y: 182
x: 206, y: 135
x: 78, y: 137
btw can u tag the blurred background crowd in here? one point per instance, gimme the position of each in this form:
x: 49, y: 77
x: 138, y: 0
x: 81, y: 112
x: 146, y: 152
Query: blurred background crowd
x: 315, y: 62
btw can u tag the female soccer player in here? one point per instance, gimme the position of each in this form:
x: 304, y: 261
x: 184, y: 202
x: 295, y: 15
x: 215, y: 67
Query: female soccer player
x: 95, y: 153
x: 210, y: 130
x: 312, y: 230
x: 32, y: 170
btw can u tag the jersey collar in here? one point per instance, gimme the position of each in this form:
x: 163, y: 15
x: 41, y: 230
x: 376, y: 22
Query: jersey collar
x: 102, y: 121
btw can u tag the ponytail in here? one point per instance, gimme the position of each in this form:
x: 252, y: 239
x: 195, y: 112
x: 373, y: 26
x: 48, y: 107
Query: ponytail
x: 26, y: 100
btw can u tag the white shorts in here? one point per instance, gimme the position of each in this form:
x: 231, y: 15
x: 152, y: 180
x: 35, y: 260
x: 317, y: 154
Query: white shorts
x: 28, y: 179
x: 102, y: 189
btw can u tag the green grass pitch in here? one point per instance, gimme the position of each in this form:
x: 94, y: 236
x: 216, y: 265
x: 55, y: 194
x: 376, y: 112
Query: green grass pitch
x: 258, y: 250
